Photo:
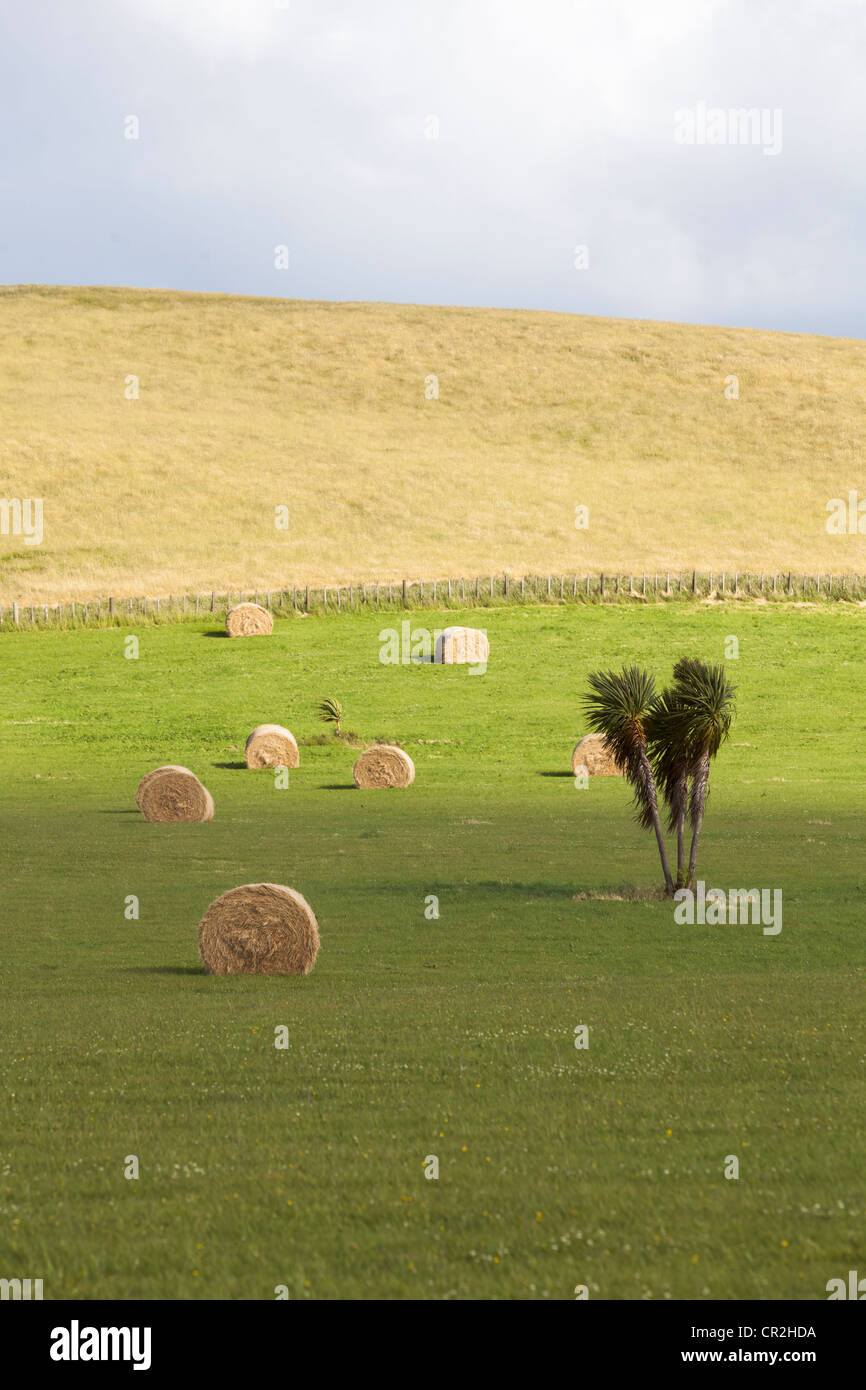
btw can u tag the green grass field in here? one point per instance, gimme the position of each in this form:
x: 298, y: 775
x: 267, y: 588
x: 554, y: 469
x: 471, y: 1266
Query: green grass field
x: 414, y: 1037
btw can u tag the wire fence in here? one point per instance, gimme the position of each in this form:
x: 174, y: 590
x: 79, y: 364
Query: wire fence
x: 477, y: 592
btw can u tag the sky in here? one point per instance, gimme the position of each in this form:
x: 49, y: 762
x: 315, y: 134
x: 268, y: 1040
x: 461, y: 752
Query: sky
x: 538, y: 154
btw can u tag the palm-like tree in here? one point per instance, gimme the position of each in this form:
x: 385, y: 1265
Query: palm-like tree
x: 331, y: 712
x: 618, y: 707
x: 666, y: 731
x: 705, y: 712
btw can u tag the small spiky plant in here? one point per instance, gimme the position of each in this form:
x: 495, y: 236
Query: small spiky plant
x: 331, y: 712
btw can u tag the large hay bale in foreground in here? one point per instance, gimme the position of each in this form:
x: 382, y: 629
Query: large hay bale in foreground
x: 249, y: 620
x: 462, y: 644
x: 173, y: 793
x: 270, y: 745
x: 383, y: 765
x: 590, y: 753
x: 259, y: 929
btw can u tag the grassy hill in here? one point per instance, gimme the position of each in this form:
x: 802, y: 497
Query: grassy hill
x: 245, y: 405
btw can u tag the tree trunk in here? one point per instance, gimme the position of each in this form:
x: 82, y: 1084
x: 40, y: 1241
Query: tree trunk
x: 657, y: 825
x: 699, y: 801
x: 681, y: 803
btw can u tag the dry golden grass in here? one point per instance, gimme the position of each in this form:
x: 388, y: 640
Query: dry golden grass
x: 249, y: 404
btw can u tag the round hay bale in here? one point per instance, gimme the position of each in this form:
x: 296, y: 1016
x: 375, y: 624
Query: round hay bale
x: 259, y: 929
x: 173, y: 793
x: 591, y: 753
x: 249, y: 620
x: 270, y: 745
x: 168, y: 767
x: 462, y: 644
x: 383, y: 765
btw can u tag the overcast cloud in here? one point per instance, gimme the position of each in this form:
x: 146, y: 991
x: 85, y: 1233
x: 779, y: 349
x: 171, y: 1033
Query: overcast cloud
x: 306, y: 124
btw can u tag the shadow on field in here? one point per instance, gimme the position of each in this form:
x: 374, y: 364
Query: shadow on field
x: 243, y: 765
x: 215, y: 632
x: 127, y: 811
x: 556, y: 774
x: 168, y: 970
x: 337, y: 787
